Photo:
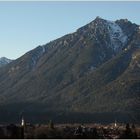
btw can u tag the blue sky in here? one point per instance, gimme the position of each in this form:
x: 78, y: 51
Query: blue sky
x: 25, y: 25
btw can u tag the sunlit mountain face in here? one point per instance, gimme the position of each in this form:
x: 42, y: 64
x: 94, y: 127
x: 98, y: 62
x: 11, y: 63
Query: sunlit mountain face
x: 93, y: 73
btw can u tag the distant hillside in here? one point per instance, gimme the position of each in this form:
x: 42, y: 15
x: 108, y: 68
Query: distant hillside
x: 4, y: 61
x: 91, y: 75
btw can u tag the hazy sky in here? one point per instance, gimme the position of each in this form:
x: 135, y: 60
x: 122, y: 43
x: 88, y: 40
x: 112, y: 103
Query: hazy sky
x: 25, y: 25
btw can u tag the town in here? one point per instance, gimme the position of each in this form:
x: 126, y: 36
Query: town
x: 70, y: 131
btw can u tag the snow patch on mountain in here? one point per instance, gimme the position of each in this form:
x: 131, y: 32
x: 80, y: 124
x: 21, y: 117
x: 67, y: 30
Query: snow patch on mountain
x: 4, y: 61
x: 117, y: 37
x: 40, y: 51
x: 43, y: 49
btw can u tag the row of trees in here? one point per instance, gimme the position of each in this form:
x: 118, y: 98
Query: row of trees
x: 129, y: 133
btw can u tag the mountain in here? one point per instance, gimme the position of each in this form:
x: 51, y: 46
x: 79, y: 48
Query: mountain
x: 4, y: 61
x: 91, y: 75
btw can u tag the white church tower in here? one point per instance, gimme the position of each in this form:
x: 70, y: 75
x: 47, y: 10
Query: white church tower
x: 22, y: 122
x: 115, y: 124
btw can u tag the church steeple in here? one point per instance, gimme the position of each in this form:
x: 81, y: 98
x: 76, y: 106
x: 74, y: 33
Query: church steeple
x: 22, y: 122
x: 115, y: 124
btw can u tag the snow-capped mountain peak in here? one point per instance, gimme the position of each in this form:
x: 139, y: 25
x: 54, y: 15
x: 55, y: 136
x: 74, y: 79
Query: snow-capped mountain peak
x: 114, y: 35
x: 4, y: 61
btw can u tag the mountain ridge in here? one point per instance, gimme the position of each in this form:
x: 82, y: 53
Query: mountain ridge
x: 79, y: 72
